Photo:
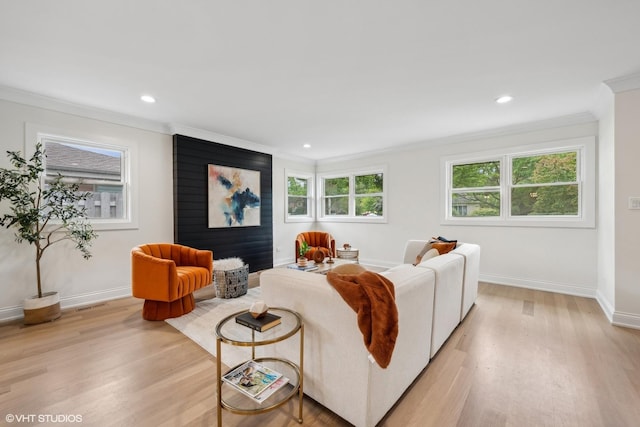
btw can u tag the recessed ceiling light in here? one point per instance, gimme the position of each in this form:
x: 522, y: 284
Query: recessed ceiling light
x: 504, y: 99
x: 307, y: 145
x: 148, y: 98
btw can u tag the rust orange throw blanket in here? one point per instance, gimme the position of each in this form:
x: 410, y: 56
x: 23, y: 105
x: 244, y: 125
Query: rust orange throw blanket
x: 372, y: 297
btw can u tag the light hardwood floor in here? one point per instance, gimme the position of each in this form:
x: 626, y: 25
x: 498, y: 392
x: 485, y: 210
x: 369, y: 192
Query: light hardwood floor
x: 520, y: 358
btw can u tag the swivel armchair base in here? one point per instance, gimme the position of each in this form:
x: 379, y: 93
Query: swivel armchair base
x: 162, y: 310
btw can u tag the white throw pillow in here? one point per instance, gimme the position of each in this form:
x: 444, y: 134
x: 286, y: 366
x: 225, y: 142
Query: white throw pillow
x: 431, y: 253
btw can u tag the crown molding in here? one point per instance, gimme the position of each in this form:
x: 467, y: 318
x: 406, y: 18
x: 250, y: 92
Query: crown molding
x: 49, y: 103
x: 624, y: 83
x: 32, y: 99
x: 556, y: 122
x: 176, y: 128
x: 552, y: 123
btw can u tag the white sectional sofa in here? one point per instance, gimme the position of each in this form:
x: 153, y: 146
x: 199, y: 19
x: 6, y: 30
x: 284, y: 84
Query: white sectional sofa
x: 338, y: 371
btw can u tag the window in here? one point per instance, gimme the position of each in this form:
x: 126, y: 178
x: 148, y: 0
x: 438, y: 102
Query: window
x: 369, y: 194
x: 353, y: 196
x: 551, y: 185
x: 545, y: 184
x: 299, y: 201
x: 476, y: 189
x: 100, y: 169
x: 336, y: 196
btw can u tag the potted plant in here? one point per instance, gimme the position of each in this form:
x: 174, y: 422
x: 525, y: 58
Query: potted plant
x: 42, y: 215
x: 302, y: 250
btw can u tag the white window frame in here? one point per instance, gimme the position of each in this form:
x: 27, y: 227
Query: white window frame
x: 311, y: 208
x: 39, y: 134
x: 586, y: 180
x: 351, y: 216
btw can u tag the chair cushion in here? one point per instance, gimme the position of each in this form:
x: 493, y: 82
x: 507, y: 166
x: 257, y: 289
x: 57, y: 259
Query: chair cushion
x: 191, y: 279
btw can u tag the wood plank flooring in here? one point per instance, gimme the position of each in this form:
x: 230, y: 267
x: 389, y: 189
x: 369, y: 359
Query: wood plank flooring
x: 520, y: 358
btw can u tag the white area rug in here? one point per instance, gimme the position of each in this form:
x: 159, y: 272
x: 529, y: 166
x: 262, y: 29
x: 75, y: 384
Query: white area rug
x: 200, y: 324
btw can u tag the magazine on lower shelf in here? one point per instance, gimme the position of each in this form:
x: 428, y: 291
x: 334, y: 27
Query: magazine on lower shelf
x: 251, y: 378
x: 271, y: 389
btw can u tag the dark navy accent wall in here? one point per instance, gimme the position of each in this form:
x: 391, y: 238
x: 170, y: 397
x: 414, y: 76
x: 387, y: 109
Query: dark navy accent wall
x: 191, y: 157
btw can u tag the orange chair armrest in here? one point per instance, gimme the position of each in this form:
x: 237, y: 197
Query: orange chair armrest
x: 153, y: 278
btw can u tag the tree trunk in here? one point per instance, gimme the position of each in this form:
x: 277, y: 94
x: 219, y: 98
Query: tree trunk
x: 38, y: 278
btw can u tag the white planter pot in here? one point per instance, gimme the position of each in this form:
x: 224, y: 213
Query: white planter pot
x: 40, y: 310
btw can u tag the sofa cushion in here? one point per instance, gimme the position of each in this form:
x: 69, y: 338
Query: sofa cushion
x: 348, y: 269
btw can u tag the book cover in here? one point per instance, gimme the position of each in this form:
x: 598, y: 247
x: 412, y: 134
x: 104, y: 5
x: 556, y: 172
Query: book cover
x: 251, y: 378
x: 261, y: 324
x: 309, y: 267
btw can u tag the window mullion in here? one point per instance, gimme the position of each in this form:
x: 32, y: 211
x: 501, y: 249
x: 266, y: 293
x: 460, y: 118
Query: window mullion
x: 352, y: 193
x: 505, y: 184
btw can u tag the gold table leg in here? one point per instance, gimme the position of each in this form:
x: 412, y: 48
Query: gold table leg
x: 300, y: 390
x: 219, y: 380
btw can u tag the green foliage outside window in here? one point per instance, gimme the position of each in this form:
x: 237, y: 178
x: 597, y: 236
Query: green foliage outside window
x: 297, y: 201
x: 540, y: 185
x: 336, y: 186
x: 557, y: 189
x: 473, y: 177
x: 369, y: 184
x: 336, y: 191
x: 367, y: 195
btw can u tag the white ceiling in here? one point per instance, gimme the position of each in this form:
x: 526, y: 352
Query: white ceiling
x: 345, y: 76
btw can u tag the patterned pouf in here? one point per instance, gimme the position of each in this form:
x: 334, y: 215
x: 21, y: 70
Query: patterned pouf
x: 230, y: 277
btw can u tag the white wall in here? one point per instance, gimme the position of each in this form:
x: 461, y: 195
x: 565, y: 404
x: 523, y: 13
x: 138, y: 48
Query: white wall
x: 606, y: 204
x: 627, y: 230
x: 284, y: 233
x: 107, y: 274
x: 557, y: 259
x: 563, y: 260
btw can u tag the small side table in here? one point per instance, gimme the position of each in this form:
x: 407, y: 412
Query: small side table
x: 351, y: 253
x: 230, y: 332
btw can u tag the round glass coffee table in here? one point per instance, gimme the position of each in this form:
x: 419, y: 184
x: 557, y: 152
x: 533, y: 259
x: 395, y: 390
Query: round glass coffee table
x: 232, y: 333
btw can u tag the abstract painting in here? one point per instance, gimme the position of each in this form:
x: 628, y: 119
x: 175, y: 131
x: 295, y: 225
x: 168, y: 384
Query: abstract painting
x: 234, y: 197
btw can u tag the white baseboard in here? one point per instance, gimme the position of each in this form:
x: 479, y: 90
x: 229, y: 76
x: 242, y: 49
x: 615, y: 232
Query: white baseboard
x: 560, y: 288
x: 282, y: 262
x: 10, y: 313
x: 617, y: 318
x: 15, y: 312
x: 605, y: 305
x: 95, y: 297
x: 627, y: 320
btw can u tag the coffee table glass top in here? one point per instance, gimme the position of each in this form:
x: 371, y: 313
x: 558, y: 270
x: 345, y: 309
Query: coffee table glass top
x: 323, y: 267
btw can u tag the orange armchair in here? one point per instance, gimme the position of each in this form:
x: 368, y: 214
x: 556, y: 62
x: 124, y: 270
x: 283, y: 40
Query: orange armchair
x: 317, y: 241
x: 166, y: 275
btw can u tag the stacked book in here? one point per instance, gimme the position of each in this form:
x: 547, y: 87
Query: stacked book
x: 309, y: 267
x: 255, y: 380
x: 260, y: 324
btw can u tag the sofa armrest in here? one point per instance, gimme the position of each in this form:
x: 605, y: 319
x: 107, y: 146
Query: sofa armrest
x: 471, y: 254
